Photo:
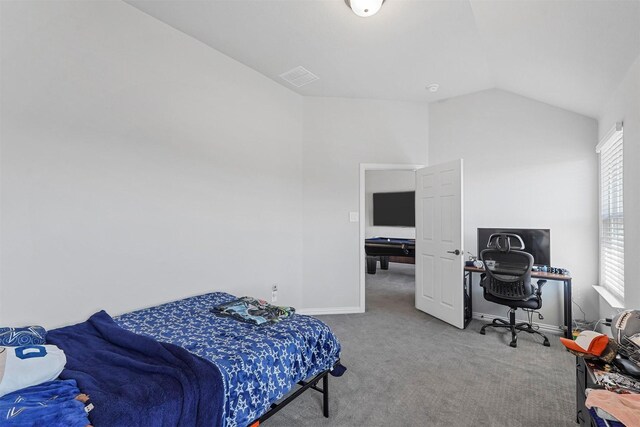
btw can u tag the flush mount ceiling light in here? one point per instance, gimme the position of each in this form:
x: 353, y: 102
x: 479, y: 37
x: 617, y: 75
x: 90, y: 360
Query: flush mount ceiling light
x: 364, y: 8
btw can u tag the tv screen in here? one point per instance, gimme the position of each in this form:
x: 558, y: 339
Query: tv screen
x: 394, y: 209
x: 537, y: 241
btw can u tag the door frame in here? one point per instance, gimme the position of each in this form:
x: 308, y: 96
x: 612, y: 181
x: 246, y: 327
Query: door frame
x: 362, y: 214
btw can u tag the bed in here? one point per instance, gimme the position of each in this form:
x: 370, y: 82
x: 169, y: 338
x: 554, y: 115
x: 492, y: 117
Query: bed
x: 259, y: 366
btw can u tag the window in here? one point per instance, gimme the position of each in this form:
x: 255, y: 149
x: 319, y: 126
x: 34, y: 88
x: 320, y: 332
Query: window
x: 612, y: 212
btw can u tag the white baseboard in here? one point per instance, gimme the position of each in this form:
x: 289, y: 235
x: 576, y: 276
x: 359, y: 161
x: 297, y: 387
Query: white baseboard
x: 552, y: 329
x: 331, y: 310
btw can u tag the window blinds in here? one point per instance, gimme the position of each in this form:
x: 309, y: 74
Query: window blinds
x: 612, y: 212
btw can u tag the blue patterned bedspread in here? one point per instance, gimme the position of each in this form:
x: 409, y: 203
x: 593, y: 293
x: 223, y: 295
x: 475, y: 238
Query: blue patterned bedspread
x: 259, y: 364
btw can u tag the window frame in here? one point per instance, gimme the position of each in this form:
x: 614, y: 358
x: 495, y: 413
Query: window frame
x: 609, y: 142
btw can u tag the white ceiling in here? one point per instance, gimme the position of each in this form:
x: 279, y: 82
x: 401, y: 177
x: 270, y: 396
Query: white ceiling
x: 568, y: 53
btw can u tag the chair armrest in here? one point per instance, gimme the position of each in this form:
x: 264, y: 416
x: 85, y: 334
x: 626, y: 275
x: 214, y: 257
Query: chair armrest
x: 541, y: 283
x: 483, y: 276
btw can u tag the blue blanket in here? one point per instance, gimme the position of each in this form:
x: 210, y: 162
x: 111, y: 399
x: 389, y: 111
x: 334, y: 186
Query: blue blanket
x: 133, y: 379
x: 259, y: 364
x: 50, y: 404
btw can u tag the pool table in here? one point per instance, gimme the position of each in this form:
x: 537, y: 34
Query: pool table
x: 381, y: 248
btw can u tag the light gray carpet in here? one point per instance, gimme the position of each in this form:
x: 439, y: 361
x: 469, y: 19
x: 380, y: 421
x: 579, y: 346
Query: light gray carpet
x: 406, y: 368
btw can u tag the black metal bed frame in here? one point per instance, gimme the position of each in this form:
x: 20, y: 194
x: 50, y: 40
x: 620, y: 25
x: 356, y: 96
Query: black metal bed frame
x: 304, y: 386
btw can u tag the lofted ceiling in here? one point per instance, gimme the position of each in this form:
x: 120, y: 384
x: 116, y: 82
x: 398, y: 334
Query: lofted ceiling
x: 568, y: 53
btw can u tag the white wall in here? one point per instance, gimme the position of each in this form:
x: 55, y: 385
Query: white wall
x: 339, y: 134
x: 529, y: 165
x: 138, y: 166
x: 387, y: 181
x: 624, y: 105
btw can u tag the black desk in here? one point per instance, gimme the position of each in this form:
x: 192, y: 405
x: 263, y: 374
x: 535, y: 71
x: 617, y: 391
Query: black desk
x: 584, y: 379
x: 566, y: 280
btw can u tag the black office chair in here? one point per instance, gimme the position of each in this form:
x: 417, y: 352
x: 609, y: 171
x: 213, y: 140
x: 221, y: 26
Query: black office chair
x: 507, y: 281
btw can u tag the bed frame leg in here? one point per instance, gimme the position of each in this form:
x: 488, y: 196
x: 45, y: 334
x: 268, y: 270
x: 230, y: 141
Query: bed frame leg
x: 313, y: 383
x: 325, y: 395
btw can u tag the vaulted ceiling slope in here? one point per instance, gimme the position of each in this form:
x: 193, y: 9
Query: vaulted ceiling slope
x: 568, y: 53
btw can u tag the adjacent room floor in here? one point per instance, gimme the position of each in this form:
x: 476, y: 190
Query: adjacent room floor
x: 406, y: 368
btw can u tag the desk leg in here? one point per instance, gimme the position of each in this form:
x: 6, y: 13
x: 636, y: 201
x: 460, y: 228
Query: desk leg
x: 470, y: 298
x: 568, y: 305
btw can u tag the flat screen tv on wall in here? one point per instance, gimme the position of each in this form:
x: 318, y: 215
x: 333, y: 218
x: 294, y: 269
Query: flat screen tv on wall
x: 394, y: 209
x: 537, y: 241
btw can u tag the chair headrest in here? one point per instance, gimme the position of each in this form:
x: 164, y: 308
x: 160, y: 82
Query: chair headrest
x: 504, y: 242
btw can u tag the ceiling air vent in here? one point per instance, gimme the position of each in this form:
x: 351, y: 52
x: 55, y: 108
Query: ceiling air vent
x: 299, y: 76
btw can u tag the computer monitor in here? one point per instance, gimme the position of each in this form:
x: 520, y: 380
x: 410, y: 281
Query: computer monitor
x: 537, y: 241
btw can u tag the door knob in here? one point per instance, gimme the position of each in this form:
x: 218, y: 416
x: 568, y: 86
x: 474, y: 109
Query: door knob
x: 457, y: 252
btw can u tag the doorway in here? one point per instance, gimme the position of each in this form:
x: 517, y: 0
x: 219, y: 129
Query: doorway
x: 399, y: 177
x: 438, y: 233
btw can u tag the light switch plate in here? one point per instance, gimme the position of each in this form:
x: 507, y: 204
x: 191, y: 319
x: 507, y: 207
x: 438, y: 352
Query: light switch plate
x: 354, y: 216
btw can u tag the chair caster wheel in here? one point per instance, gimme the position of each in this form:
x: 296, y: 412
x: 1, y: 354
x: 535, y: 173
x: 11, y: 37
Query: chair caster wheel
x: 482, y: 332
x: 546, y: 343
x: 514, y: 343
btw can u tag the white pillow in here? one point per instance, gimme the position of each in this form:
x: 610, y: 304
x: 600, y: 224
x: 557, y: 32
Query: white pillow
x: 29, y: 365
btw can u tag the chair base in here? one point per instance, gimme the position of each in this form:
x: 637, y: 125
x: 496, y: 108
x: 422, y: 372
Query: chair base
x: 515, y: 329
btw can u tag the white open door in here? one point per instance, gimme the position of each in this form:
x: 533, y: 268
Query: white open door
x: 439, y: 251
